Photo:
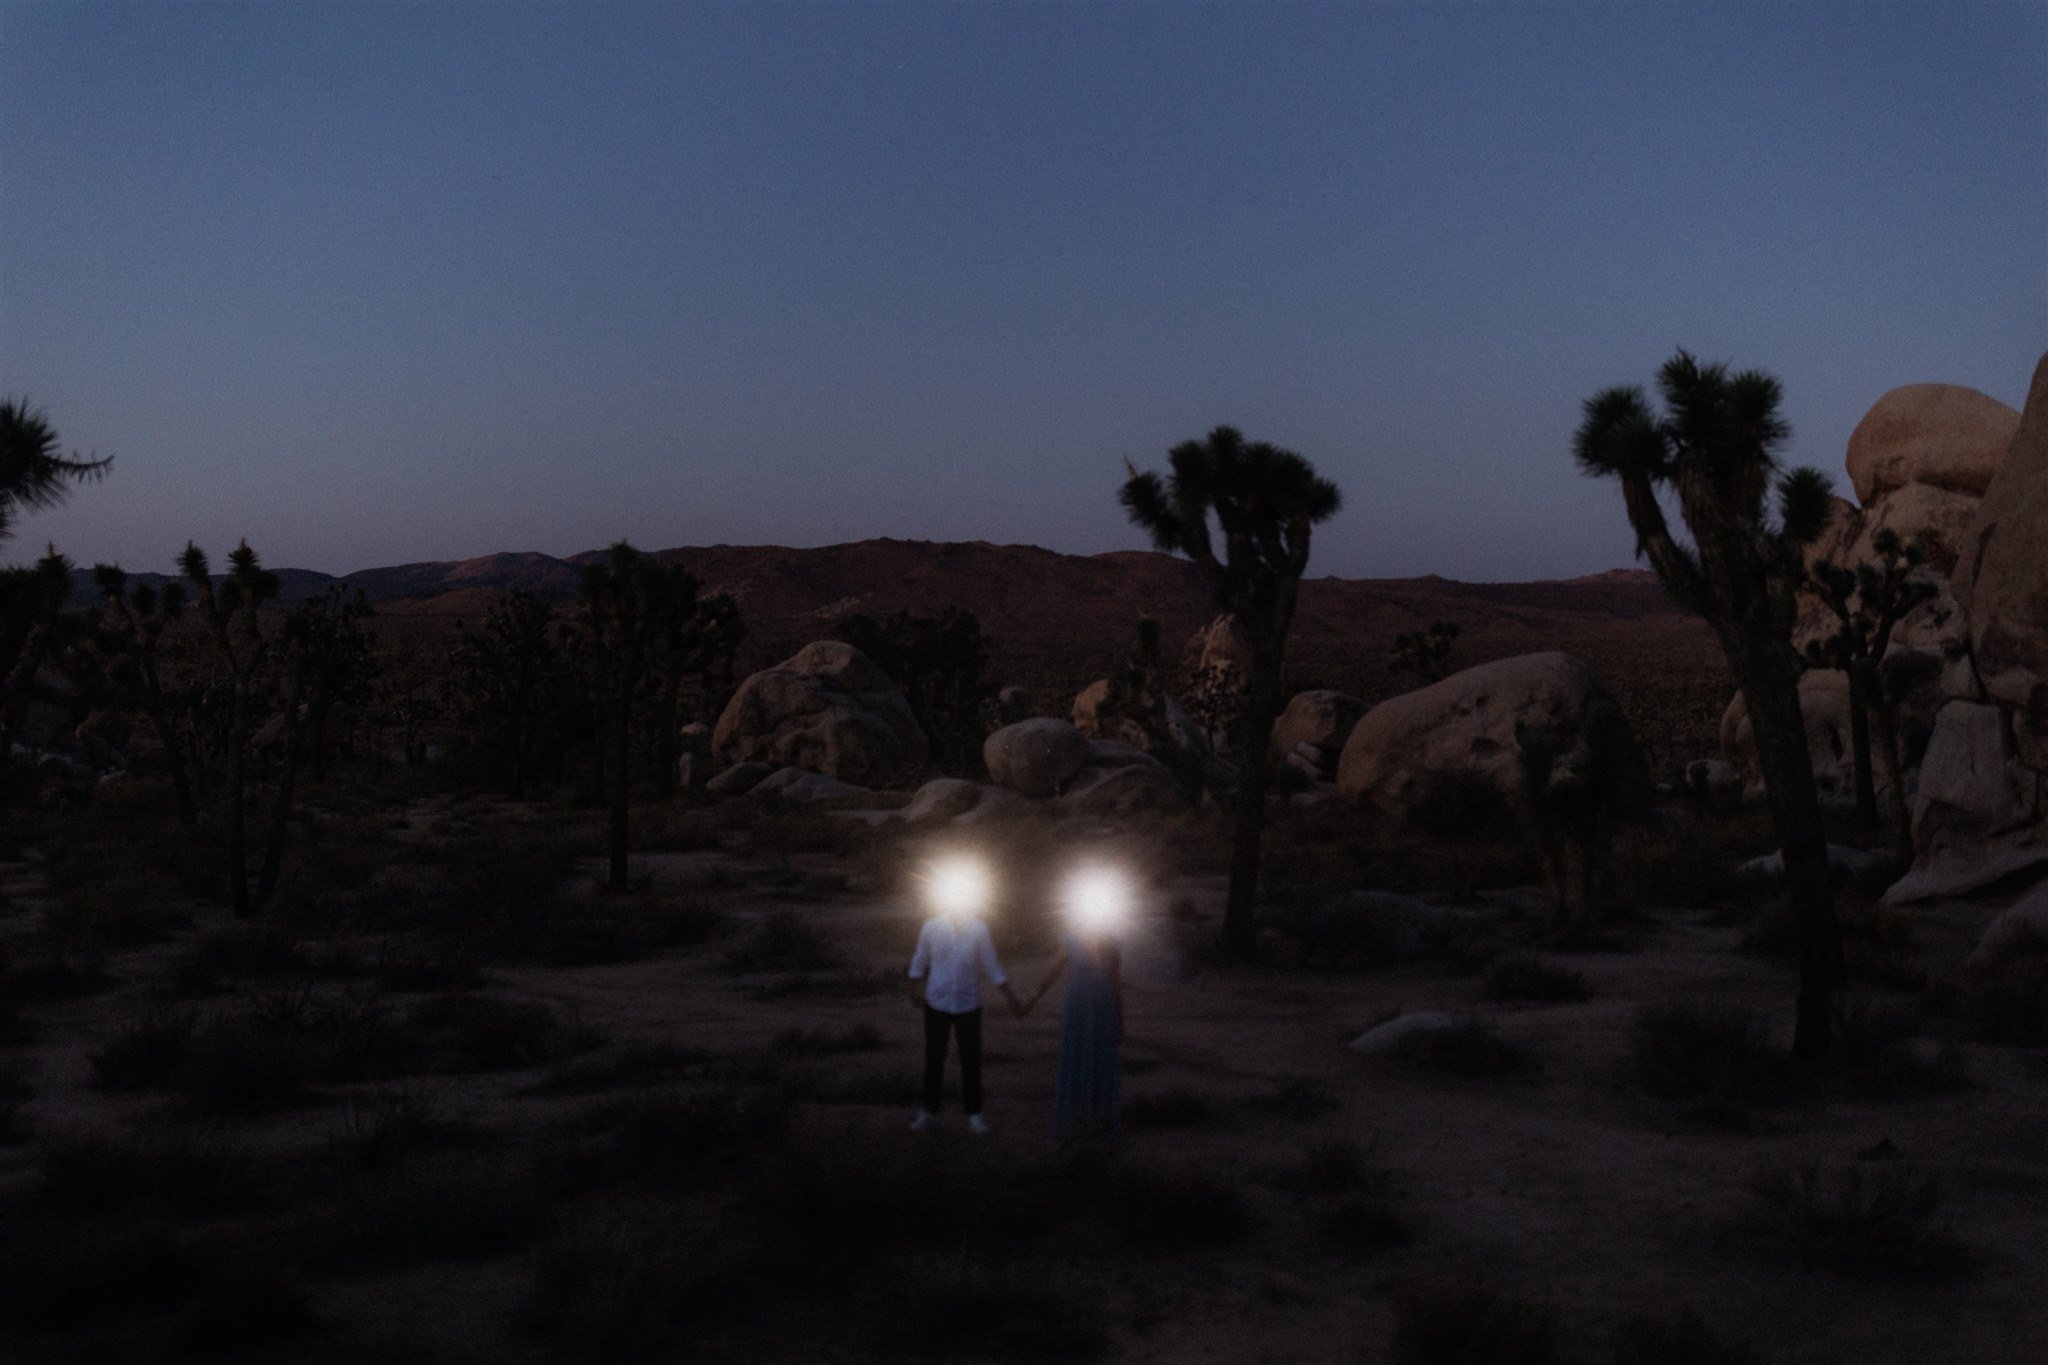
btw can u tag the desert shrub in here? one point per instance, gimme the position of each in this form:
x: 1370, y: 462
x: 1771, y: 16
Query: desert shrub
x: 611, y: 1285
x: 1681, y: 1338
x: 145, y: 1052
x: 169, y: 1175
x: 848, y: 985
x: 69, y: 1271
x: 1458, y: 804
x: 378, y: 1129
x: 1683, y: 864
x: 14, y: 1088
x: 862, y: 1037
x: 1465, y: 1320
x: 954, y: 1303
x: 245, y: 1308
x: 1878, y: 1051
x: 240, y: 1066
x: 1862, y: 1217
x: 263, y: 948
x: 1165, y: 1206
x: 1176, y: 1108
x: 1297, y: 1100
x: 1362, y: 1224
x: 134, y: 906
x: 785, y: 943
x: 489, y: 1033
x: 2003, y: 997
x: 1472, y: 1049
x: 639, y: 1065
x: 1524, y: 976
x: 1705, y: 1049
x: 450, y: 963
x: 664, y: 1137
x: 1335, y: 1163
x: 603, y: 928
x: 448, y: 1206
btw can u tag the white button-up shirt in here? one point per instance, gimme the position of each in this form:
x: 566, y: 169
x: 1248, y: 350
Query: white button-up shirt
x: 953, y: 954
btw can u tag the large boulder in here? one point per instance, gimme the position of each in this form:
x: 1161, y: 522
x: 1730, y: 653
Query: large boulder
x: 1322, y: 721
x: 2026, y: 922
x: 1096, y: 718
x: 827, y: 709
x: 2001, y: 579
x: 1941, y: 435
x: 801, y: 784
x: 1035, y: 757
x: 942, y: 798
x: 1465, y: 723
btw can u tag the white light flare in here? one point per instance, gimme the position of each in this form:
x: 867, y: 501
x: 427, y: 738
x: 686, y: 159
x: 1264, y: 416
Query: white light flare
x: 1098, y: 900
x: 958, y: 885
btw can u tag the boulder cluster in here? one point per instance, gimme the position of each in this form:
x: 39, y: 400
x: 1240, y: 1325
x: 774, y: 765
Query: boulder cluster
x: 1967, y: 477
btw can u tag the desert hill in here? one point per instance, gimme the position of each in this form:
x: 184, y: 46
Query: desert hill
x: 1059, y: 620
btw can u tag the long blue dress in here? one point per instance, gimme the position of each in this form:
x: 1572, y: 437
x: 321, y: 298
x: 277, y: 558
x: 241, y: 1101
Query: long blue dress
x: 1089, y: 1098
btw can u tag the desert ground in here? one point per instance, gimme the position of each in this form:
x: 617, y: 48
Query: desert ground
x: 449, y: 1102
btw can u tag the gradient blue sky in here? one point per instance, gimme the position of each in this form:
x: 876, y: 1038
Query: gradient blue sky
x: 370, y: 283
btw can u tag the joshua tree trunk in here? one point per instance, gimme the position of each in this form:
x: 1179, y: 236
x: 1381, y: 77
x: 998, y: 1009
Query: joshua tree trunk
x: 1770, y: 688
x: 1859, y: 746
x: 1254, y: 735
x: 238, y: 817
x: 174, y: 755
x: 615, y: 740
x: 281, y: 812
x: 1887, y: 726
x: 665, y: 726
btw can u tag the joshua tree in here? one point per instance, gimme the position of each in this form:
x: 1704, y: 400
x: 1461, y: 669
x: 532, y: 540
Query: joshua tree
x: 1265, y: 501
x: 617, y: 598
x: 940, y: 661
x: 1573, y: 795
x: 510, y: 671
x: 328, y: 657
x: 693, y: 640
x: 132, y: 627
x: 33, y: 472
x: 1425, y: 653
x: 1714, y: 449
x: 34, y: 630
x: 1867, y: 602
x: 240, y: 649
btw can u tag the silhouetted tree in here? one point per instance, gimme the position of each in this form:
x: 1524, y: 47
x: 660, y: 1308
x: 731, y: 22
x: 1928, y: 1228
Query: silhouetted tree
x: 1265, y: 502
x: 1425, y: 653
x: 1867, y: 602
x: 132, y: 624
x: 618, y: 623
x: 1573, y: 795
x: 35, y: 631
x: 509, y: 673
x: 1714, y: 449
x: 940, y: 660
x: 33, y: 471
x: 328, y: 657
x: 694, y: 640
x: 240, y: 650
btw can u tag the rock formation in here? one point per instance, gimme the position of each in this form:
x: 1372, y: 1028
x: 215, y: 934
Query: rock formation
x: 827, y: 709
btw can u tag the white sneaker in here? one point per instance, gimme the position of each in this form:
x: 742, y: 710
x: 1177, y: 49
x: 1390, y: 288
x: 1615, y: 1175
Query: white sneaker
x: 921, y: 1122
x: 977, y: 1124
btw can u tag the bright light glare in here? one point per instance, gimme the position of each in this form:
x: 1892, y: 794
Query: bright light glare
x: 958, y: 886
x: 1098, y: 900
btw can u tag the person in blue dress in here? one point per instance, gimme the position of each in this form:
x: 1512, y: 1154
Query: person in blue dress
x: 1088, y: 1098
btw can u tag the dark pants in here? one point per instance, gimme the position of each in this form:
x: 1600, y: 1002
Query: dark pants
x: 936, y: 1023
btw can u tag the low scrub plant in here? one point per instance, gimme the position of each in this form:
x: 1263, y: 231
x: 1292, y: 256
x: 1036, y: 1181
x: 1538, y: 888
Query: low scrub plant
x: 1863, y: 1217
x: 786, y: 942
x: 959, y: 1303
x: 466, y: 1032
x: 611, y: 1285
x: 1524, y: 976
x: 1705, y: 1049
x: 1465, y: 1319
x: 147, y: 1051
x: 1176, y: 1108
x: 1681, y: 1338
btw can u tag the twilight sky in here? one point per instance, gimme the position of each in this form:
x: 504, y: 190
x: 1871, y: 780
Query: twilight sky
x: 371, y: 283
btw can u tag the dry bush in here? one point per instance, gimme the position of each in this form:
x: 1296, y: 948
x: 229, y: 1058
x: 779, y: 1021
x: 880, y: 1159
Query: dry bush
x: 1464, y: 1319
x: 1858, y: 1218
x: 1472, y: 1050
x: 2002, y: 998
x: 959, y: 1303
x: 1681, y: 1338
x: 445, y: 1206
x: 1524, y: 976
x: 489, y: 1033
x: 1176, y: 1108
x: 1706, y: 1049
x: 379, y: 1129
x: 785, y: 942
x: 147, y: 1051
x: 636, y: 1065
x: 670, y: 1137
x: 612, y: 1284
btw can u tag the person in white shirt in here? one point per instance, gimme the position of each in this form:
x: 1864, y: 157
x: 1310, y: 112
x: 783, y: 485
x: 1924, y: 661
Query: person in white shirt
x: 953, y: 953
